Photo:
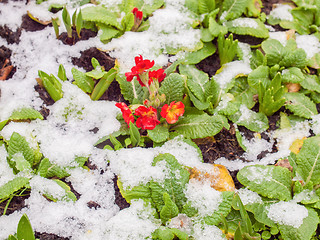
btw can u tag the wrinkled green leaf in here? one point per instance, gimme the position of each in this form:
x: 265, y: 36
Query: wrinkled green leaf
x: 308, y: 160
x: 268, y: 181
x: 25, y: 113
x: 12, y: 186
x: 172, y: 87
x: 83, y: 81
x: 199, y: 126
x: 300, y: 105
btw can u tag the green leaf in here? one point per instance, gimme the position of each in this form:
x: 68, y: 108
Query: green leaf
x: 308, y: 160
x: 243, y: 93
x: 96, y: 73
x: 268, y: 181
x: 3, y: 124
x: 206, y: 6
x: 223, y: 210
x: 261, y: 213
x: 169, y: 210
x: 67, y: 21
x: 257, y: 59
x: 199, y: 126
x: 127, y: 21
x: 18, y: 144
x: 174, y: 184
x: 48, y: 170
x: 159, y: 134
x: 195, y: 57
x: 305, y: 231
x: 62, y: 73
x: 232, y: 9
x: 314, y: 62
x: 201, y: 105
x: 52, y: 85
x: 21, y: 163
x: 163, y: 233
x: 12, y: 186
x: 137, y: 192
x: 257, y: 122
x: 300, y: 105
x: 131, y: 91
x: 274, y: 51
x: 103, y: 84
x: 79, y: 23
x: 292, y: 75
x: 84, y: 82
x: 311, y: 82
x: 25, y: 113
x: 172, y: 87
x: 259, y: 75
x: 108, y: 32
x: 216, y: 29
x: 100, y: 14
x: 11, y: 237
x: 296, y: 58
x: 69, y: 196
x: 248, y: 26
x: 24, y: 230
x: 134, y: 134
x: 196, y: 80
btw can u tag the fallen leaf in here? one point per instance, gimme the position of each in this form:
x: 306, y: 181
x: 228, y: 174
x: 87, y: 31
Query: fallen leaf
x: 296, y: 145
x: 217, y: 174
x: 293, y: 87
x: 38, y: 20
x: 284, y: 163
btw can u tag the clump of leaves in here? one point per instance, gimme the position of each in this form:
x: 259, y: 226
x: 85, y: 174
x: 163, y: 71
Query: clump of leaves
x: 277, y: 185
x: 221, y: 17
x: 95, y: 82
x: 27, y: 162
x: 170, y: 203
x: 106, y: 19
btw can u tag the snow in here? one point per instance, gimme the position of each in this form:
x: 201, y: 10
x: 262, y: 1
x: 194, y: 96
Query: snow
x: 231, y: 70
x: 124, y: 225
x: 245, y: 22
x: 207, y: 232
x: 282, y: 12
x: 309, y: 43
x: 287, y: 213
x: 203, y: 197
x: 249, y: 197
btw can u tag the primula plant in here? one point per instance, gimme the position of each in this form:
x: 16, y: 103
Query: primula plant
x: 153, y: 113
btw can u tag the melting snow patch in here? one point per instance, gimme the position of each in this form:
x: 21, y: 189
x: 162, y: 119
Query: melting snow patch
x: 282, y: 12
x: 309, y: 43
x: 245, y: 22
x: 135, y: 222
x: 287, y: 213
x: 249, y: 197
x: 203, y: 197
x: 207, y: 232
x: 231, y: 70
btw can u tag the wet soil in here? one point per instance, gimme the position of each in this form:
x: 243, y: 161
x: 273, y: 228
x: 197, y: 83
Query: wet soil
x: 224, y: 144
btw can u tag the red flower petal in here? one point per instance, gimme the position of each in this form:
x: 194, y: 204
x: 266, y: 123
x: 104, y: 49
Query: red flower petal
x: 126, y: 113
x: 172, y: 112
x: 156, y: 75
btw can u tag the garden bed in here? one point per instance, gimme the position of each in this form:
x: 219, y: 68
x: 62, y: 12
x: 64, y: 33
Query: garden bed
x: 70, y: 163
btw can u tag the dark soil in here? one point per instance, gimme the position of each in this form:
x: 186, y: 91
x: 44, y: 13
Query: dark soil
x: 224, y: 144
